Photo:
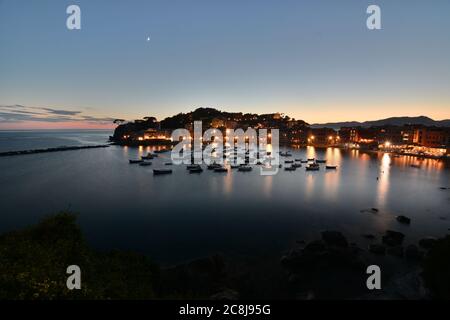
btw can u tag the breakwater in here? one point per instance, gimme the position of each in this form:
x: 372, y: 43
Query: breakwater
x: 57, y: 149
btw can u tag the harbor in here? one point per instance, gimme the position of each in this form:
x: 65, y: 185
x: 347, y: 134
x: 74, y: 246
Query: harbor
x: 199, y: 210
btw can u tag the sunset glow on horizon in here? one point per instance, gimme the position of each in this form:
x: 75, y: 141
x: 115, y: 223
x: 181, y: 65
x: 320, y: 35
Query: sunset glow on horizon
x: 312, y: 61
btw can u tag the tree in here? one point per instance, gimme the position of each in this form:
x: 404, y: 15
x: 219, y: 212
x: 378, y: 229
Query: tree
x: 150, y: 119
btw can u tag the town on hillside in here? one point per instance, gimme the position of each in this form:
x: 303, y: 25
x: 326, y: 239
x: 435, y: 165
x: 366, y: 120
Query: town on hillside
x: 409, y: 138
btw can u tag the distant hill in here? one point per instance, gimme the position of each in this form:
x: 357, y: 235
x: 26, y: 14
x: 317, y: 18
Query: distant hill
x: 394, y: 121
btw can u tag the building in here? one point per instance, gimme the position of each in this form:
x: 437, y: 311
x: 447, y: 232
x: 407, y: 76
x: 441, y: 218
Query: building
x: 299, y: 136
x: 217, y: 123
x: 323, y: 137
x: 348, y: 135
x: 432, y: 137
x: 155, y: 135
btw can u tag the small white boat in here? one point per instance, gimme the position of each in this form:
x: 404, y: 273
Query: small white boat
x: 196, y: 170
x: 285, y: 154
x: 313, y: 167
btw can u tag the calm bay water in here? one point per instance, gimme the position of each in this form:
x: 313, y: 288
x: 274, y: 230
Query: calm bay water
x: 183, y: 216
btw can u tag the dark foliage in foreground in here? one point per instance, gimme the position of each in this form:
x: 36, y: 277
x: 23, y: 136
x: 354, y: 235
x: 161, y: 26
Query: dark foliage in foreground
x: 33, y: 265
x: 437, y: 269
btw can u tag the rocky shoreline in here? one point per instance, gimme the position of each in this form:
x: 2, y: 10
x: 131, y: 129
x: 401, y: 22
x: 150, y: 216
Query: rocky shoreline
x: 327, y: 268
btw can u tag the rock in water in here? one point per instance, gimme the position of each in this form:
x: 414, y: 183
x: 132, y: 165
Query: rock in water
x: 403, y: 219
x: 427, y: 242
x: 377, y: 248
x: 315, y: 247
x: 395, y: 251
x: 412, y: 252
x: 334, y: 238
x: 393, y: 238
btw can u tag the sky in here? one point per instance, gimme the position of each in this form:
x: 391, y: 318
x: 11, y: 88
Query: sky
x: 313, y: 60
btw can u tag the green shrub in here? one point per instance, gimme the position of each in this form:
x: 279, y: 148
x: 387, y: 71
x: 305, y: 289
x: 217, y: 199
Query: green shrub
x: 33, y: 265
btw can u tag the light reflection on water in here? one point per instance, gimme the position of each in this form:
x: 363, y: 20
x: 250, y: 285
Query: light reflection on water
x: 383, y: 179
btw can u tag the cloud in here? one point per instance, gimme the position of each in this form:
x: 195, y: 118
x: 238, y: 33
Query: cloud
x: 19, y: 113
x: 62, y: 112
x: 90, y: 118
x: 13, y: 117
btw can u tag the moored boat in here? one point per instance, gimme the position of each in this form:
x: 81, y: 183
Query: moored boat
x: 291, y: 168
x: 196, y: 170
x: 145, y: 163
x: 135, y: 161
x: 162, y: 171
x: 285, y: 154
x: 245, y: 168
x: 331, y: 167
x: 220, y: 169
x: 321, y: 161
x: 147, y: 157
x: 162, y: 151
x: 313, y: 167
x: 213, y: 166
